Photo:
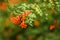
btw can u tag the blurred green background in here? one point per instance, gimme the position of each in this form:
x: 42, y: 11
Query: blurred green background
x: 47, y: 12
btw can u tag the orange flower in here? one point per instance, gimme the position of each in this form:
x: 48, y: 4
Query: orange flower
x: 36, y: 23
x: 23, y: 25
x: 23, y: 18
x: 3, y: 6
x: 25, y: 13
x: 52, y: 27
x: 18, y: 17
x: 14, y: 20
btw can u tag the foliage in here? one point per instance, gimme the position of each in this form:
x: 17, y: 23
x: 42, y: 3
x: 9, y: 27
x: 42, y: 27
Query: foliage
x: 30, y: 20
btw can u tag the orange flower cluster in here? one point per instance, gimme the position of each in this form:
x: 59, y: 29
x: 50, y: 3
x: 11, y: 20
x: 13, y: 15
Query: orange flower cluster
x: 3, y: 6
x: 20, y: 20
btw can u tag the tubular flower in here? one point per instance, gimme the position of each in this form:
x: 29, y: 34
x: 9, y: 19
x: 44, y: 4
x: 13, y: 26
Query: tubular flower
x: 52, y: 27
x: 25, y: 13
x: 14, y: 20
x: 18, y: 17
x: 3, y: 6
x: 23, y: 18
x: 23, y: 25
